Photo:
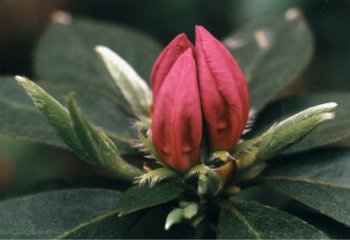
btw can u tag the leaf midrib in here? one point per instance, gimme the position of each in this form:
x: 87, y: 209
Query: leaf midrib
x: 236, y: 212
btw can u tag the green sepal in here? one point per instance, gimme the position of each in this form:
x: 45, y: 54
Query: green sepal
x: 155, y: 176
x: 99, y: 147
x: 209, y: 185
x: 145, y: 144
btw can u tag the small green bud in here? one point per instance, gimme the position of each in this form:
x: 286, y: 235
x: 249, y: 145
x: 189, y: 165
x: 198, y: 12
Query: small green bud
x: 174, y: 217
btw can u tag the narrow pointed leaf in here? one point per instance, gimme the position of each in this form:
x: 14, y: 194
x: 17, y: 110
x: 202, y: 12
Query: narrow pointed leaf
x: 83, y: 213
x: 99, y: 147
x: 272, y: 52
x: 330, y: 133
x: 20, y: 119
x: 253, y: 153
x: 56, y: 114
x: 134, y: 89
x: 251, y: 220
x: 65, y: 61
x: 320, y: 180
x: 137, y: 198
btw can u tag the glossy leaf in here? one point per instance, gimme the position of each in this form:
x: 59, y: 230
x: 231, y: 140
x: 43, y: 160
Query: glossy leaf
x: 83, y: 213
x: 251, y: 220
x: 272, y: 52
x: 137, y: 198
x: 334, y: 132
x: 320, y: 180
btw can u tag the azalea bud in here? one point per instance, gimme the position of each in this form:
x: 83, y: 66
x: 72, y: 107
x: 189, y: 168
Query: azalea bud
x: 177, y: 117
x: 166, y: 60
x: 223, y: 90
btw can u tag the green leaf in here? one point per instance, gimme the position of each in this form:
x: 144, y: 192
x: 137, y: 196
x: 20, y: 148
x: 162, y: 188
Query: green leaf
x: 133, y: 88
x: 84, y: 213
x: 137, y: 198
x: 253, y: 153
x: 272, y: 52
x: 251, y: 220
x: 66, y: 51
x: 20, y: 119
x: 99, y: 148
x: 56, y: 114
x: 101, y: 108
x: 334, y: 133
x: 65, y: 61
x: 320, y: 180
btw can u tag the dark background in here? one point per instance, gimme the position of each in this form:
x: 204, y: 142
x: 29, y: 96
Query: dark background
x: 23, y: 21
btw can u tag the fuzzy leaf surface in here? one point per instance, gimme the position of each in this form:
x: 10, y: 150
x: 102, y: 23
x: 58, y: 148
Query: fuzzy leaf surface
x: 331, y: 133
x: 83, y: 213
x: 20, y: 119
x: 320, y: 180
x: 272, y: 52
x: 252, y: 220
x: 72, y: 65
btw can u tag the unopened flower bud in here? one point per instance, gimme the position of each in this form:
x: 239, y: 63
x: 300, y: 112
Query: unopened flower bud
x: 223, y: 90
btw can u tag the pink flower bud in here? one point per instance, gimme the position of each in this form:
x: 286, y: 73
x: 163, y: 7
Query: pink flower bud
x: 223, y: 91
x: 166, y: 60
x: 177, y: 117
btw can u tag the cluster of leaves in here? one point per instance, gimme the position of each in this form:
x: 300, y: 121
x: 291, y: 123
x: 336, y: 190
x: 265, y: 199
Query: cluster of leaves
x: 308, y: 187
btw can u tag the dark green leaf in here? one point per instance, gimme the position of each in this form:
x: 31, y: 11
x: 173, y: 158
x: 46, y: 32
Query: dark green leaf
x: 137, y: 198
x: 66, y: 52
x: 20, y: 119
x: 320, y: 180
x: 251, y: 220
x: 333, y: 132
x: 84, y: 213
x: 272, y: 52
x: 66, y: 61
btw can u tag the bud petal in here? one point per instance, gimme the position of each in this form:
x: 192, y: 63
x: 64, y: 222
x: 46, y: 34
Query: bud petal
x: 166, y: 60
x: 224, y: 92
x: 177, y: 117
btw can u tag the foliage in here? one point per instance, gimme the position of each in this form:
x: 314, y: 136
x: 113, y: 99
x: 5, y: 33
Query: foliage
x: 272, y: 54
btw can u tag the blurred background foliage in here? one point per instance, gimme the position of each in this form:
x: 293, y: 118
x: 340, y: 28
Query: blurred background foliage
x: 23, y: 21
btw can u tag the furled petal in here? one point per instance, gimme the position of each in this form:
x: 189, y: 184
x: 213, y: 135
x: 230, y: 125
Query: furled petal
x: 177, y: 117
x: 166, y: 60
x: 223, y: 89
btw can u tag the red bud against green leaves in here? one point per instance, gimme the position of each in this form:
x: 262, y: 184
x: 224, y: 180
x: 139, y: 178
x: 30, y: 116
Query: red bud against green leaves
x: 177, y: 117
x: 223, y: 90
x: 166, y: 60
